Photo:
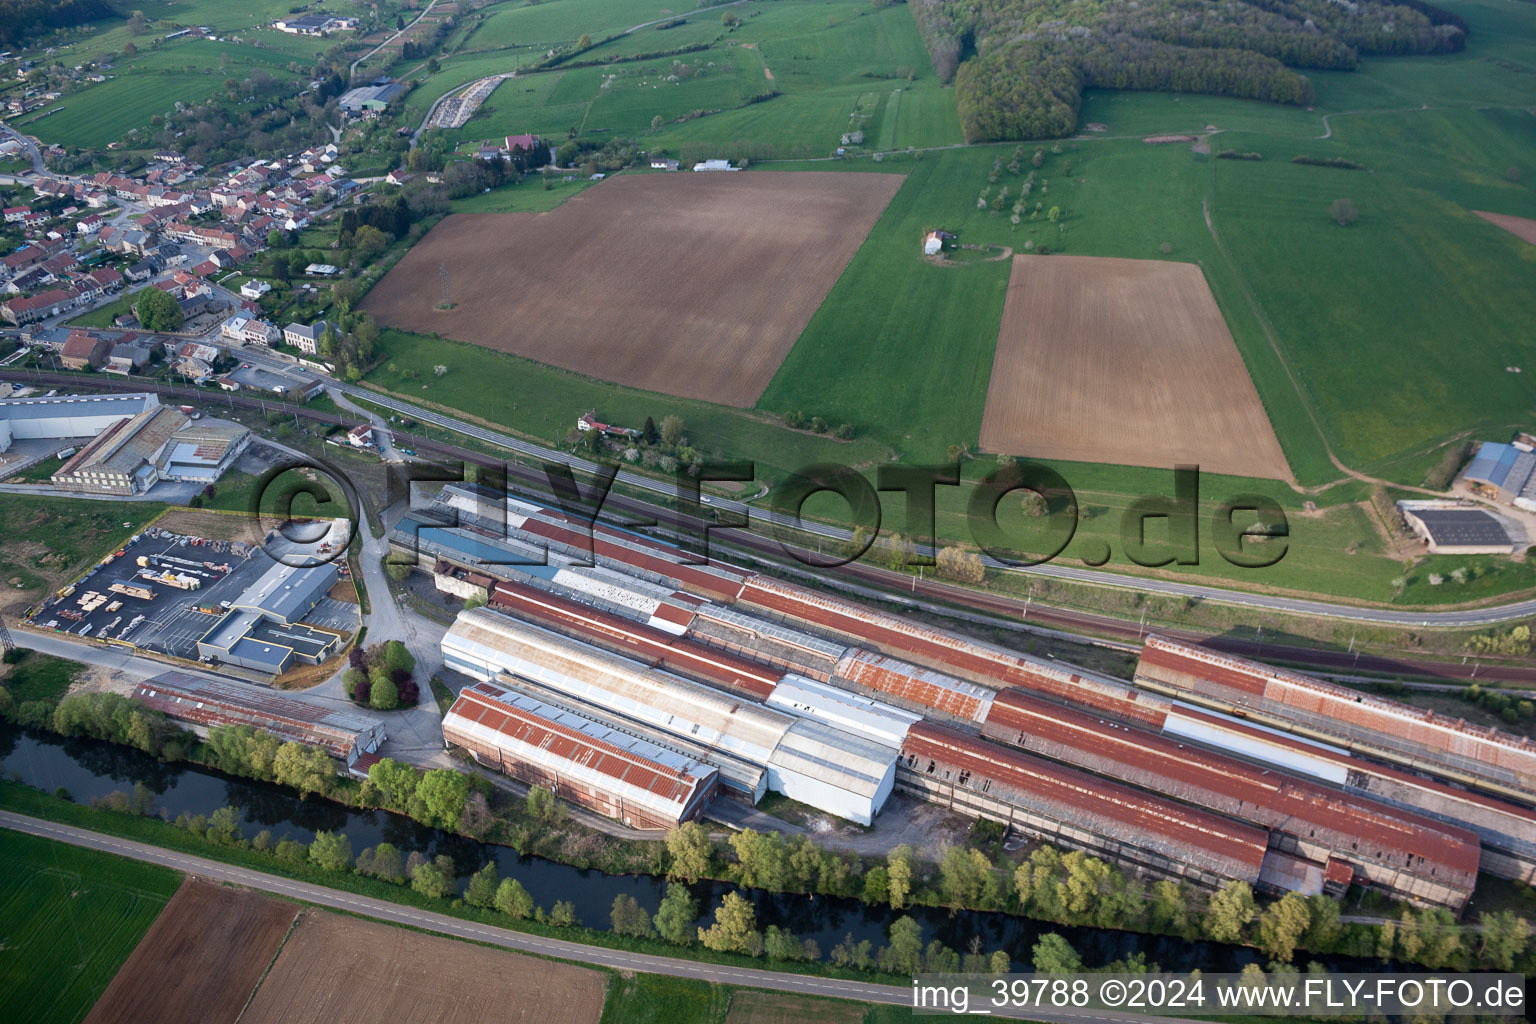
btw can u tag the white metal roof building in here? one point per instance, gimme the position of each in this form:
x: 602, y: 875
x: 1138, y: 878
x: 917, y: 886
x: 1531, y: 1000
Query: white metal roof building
x: 65, y: 416
x: 203, y: 452
x: 809, y: 761
x: 842, y: 709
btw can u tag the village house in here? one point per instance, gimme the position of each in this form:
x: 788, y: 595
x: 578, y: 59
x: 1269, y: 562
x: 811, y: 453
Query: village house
x: 84, y: 351
x: 305, y: 338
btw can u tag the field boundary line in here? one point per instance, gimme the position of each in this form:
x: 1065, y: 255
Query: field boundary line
x: 251, y: 998
x: 1302, y: 392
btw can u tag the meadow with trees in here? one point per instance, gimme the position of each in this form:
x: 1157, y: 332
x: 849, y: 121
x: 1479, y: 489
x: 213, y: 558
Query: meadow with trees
x: 1033, y: 58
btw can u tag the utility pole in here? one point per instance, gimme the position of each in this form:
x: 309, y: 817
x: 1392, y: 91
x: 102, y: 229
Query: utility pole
x: 6, y: 643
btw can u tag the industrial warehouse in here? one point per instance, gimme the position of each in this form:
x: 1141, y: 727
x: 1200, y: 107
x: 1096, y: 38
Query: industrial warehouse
x: 132, y: 442
x: 204, y: 704
x: 804, y: 758
x: 199, y: 599
x: 730, y: 660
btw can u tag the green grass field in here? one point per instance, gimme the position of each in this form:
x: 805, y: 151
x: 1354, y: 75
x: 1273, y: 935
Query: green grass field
x: 164, y: 72
x: 653, y: 999
x: 54, y: 538
x: 102, y: 316
x: 822, y: 57
x: 40, y: 676
x: 68, y: 919
x: 543, y: 402
x: 1380, y: 342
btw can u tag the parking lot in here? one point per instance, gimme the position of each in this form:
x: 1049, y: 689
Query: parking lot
x: 293, y: 381
x: 171, y: 619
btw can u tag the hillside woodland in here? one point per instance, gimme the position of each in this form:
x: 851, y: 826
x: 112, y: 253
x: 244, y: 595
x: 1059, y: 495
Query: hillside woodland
x: 1020, y: 66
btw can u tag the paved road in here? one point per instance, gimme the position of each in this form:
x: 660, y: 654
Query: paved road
x: 107, y: 656
x: 925, y: 594
x: 394, y: 913
x: 1267, y: 602
x: 353, y: 69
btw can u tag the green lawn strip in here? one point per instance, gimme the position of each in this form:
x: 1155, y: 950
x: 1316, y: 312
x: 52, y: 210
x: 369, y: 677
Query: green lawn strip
x: 102, y: 316
x: 40, y: 676
x: 543, y: 402
x: 657, y: 999
x: 69, y: 918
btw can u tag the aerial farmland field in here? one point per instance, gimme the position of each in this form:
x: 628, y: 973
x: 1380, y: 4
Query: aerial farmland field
x: 343, y: 968
x: 1114, y: 360
x: 200, y: 961
x: 68, y: 918
x: 693, y: 285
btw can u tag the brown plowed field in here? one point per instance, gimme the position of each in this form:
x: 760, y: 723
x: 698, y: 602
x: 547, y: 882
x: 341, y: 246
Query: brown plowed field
x: 337, y: 968
x: 199, y: 961
x: 694, y: 285
x: 1123, y: 361
x: 1523, y: 228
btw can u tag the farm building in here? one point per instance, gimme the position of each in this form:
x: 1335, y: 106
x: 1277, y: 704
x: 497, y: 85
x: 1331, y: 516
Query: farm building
x: 1075, y: 809
x: 829, y: 769
x: 640, y: 783
x: 67, y: 416
x: 1503, y: 472
x: 369, y: 98
x: 205, y: 703
x: 121, y: 459
x: 1358, y: 722
x: 1399, y: 852
x: 1450, y: 529
x: 714, y: 165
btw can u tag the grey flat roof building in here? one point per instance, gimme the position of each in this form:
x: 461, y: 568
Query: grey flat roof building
x: 248, y: 638
x: 286, y: 594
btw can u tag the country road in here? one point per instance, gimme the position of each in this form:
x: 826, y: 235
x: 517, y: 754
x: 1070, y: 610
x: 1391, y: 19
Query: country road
x: 1267, y: 602
x: 929, y: 594
x: 442, y: 924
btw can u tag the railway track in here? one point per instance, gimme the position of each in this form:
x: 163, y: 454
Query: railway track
x: 899, y: 588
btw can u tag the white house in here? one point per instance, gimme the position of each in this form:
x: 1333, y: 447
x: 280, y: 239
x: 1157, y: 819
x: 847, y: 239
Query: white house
x: 254, y: 289
x: 305, y: 338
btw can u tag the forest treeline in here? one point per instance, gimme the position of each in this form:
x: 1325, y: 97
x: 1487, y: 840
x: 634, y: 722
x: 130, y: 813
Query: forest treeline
x: 1020, y: 66
x: 20, y: 20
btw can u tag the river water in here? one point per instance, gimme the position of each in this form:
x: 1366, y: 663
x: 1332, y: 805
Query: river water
x: 91, y: 768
